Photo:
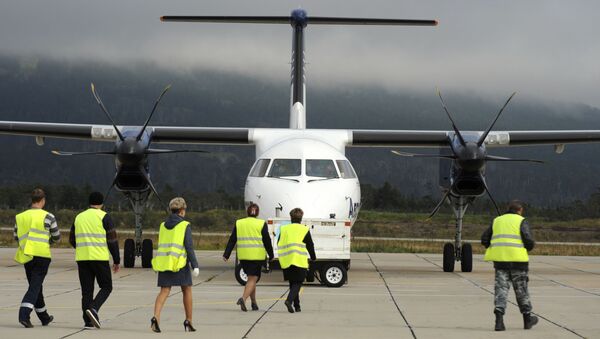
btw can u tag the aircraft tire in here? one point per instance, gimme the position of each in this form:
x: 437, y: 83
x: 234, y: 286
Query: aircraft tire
x: 448, y: 257
x: 466, y: 260
x: 129, y: 253
x: 147, y: 249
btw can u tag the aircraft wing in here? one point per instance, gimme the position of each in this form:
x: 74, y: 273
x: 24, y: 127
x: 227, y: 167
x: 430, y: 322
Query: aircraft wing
x: 160, y: 134
x: 416, y: 138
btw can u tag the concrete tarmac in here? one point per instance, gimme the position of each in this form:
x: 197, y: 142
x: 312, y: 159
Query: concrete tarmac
x: 387, y: 296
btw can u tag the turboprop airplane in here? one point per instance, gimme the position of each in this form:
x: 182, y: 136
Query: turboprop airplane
x: 295, y: 166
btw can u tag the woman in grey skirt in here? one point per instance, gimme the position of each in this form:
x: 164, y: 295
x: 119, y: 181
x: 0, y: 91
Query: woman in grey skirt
x: 173, y: 262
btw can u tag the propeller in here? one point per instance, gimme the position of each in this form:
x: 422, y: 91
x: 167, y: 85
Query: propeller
x: 169, y: 151
x: 497, y: 158
x: 485, y: 134
x: 487, y: 190
x: 139, y: 136
x: 97, y: 97
x: 415, y: 155
x: 456, y: 130
x: 55, y: 152
x: 439, y: 205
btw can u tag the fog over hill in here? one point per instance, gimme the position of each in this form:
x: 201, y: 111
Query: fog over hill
x: 34, y: 89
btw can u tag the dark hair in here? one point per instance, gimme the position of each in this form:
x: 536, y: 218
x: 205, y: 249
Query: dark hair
x: 96, y: 198
x: 515, y: 206
x: 252, y: 210
x: 296, y: 215
x: 37, y: 195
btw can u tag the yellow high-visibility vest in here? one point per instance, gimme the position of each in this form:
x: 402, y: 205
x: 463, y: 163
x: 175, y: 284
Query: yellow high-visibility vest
x: 171, y: 254
x: 506, y: 244
x: 90, y: 236
x: 249, y: 239
x: 34, y: 238
x: 291, y: 248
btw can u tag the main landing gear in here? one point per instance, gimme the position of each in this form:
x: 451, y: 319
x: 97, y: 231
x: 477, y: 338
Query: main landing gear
x: 136, y: 247
x: 458, y: 251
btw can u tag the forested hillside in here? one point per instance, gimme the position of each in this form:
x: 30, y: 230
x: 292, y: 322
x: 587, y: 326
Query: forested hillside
x: 34, y: 89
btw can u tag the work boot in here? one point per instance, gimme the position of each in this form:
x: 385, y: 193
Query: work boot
x: 499, y: 322
x: 47, y: 320
x: 529, y: 320
x: 288, y: 304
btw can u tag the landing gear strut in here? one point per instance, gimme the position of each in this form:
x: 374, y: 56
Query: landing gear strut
x: 138, y: 248
x: 458, y: 251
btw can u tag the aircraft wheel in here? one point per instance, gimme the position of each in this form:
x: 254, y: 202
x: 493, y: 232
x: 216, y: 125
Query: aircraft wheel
x: 466, y: 260
x: 448, y: 257
x: 147, y: 253
x: 334, y: 274
x: 129, y: 253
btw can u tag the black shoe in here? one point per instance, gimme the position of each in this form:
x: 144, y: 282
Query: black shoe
x: 93, y: 316
x: 297, y: 308
x: 499, y: 322
x: 154, y: 325
x: 242, y: 304
x: 187, y: 326
x: 88, y: 326
x: 254, y: 307
x: 289, y: 306
x: 529, y: 320
x: 47, y: 320
x: 26, y: 323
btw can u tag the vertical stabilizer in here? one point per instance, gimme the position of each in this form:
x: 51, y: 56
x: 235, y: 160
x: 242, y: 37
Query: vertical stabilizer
x: 298, y: 116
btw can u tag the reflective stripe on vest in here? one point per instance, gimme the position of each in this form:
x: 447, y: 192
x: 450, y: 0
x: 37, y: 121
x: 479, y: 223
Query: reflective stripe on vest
x: 34, y: 238
x: 291, y: 249
x: 249, y: 239
x: 90, y: 236
x: 506, y: 244
x: 171, y: 254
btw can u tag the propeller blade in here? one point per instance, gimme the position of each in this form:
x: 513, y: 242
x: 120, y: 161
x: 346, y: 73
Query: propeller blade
x: 460, y: 138
x: 415, y: 155
x: 437, y: 207
x: 110, y: 187
x: 497, y: 158
x: 485, y: 134
x: 487, y: 190
x: 168, y: 151
x: 55, y: 152
x: 139, y: 136
x: 147, y: 177
x: 97, y: 97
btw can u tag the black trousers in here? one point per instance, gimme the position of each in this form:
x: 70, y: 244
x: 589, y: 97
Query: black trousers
x: 89, y: 272
x: 294, y: 295
x: 36, y: 271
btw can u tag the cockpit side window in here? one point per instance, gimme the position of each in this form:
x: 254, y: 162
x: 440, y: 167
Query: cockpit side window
x: 346, y: 170
x: 285, y: 168
x: 321, y: 168
x: 260, y: 168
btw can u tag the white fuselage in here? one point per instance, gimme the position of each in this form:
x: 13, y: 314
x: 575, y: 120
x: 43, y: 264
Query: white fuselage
x: 303, y: 168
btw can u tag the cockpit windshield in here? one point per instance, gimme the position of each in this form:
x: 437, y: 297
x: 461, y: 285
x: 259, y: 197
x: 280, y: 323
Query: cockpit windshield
x: 285, y: 168
x: 321, y: 168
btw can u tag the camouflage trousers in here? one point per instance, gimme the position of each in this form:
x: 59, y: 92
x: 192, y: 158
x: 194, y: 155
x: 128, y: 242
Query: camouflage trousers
x: 519, y: 279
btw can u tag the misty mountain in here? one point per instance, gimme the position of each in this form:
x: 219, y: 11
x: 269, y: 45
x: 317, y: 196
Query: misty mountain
x: 33, y: 89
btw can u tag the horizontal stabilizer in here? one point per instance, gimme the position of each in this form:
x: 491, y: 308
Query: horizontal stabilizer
x: 289, y: 20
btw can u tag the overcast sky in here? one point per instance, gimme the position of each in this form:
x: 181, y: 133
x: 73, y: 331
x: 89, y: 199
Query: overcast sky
x: 548, y: 50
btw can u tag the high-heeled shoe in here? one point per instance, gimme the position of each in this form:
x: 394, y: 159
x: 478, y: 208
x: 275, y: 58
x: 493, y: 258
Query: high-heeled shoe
x: 187, y: 325
x: 154, y: 325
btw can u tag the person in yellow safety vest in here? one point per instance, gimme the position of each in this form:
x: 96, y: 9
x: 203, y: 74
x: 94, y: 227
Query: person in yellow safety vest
x: 253, y: 244
x: 35, y: 230
x: 508, y: 239
x: 294, y: 247
x: 93, y: 236
x: 174, y: 256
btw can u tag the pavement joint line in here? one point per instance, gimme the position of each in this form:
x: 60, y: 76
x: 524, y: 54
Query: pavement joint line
x: 569, y: 268
x: 565, y: 285
x: 392, y: 296
x: 264, y: 314
x: 72, y: 334
x: 510, y: 302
